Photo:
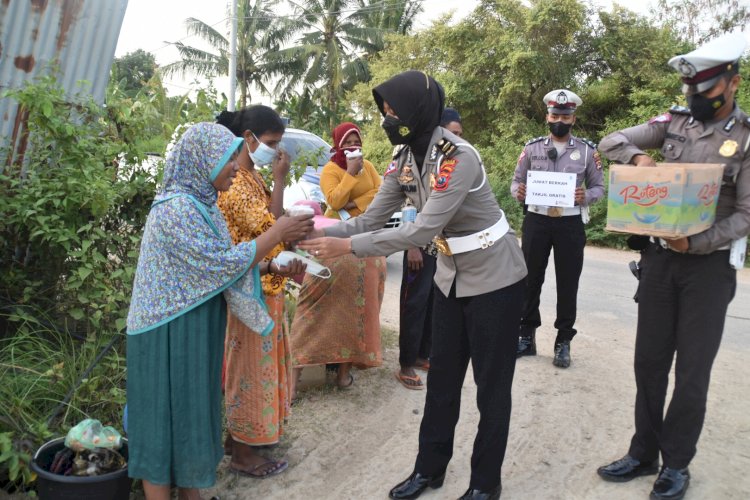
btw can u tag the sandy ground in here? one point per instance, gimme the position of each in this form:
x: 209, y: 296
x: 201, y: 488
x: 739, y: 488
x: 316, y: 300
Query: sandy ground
x: 357, y: 444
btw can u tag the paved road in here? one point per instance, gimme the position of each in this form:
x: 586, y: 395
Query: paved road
x: 605, y: 297
x: 567, y: 422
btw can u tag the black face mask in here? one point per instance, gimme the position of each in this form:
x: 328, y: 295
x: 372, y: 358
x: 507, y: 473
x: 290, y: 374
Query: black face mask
x: 703, y: 108
x: 559, y: 129
x: 396, y: 130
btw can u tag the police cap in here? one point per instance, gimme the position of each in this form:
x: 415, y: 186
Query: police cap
x: 562, y: 102
x: 702, y: 68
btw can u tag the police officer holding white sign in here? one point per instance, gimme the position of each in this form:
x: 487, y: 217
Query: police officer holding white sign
x: 552, y: 227
x: 686, y: 284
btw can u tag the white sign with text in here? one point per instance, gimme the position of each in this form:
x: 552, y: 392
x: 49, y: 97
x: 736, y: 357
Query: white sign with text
x: 551, y: 189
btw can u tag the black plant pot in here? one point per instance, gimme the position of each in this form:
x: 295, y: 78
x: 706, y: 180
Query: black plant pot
x: 110, y: 486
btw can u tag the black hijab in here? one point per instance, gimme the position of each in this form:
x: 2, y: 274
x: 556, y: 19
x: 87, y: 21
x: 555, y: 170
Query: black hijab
x: 418, y: 101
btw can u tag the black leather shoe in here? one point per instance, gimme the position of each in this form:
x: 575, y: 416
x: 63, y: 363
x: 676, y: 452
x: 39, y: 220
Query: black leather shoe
x: 482, y: 495
x: 526, y: 342
x: 562, y: 354
x: 627, y: 468
x: 414, y: 485
x: 671, y: 484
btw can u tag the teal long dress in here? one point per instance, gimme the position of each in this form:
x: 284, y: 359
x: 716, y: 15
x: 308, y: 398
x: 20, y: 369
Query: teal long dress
x: 174, y: 398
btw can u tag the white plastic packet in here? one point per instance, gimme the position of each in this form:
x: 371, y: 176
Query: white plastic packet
x: 313, y: 267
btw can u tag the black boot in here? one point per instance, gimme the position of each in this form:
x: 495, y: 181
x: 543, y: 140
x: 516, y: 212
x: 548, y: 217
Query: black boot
x: 526, y: 341
x: 562, y: 354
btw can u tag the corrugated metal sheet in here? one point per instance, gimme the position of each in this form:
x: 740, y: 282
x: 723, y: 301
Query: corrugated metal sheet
x: 79, y: 36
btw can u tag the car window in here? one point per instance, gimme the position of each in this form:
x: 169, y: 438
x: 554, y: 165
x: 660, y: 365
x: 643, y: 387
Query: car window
x: 307, y: 146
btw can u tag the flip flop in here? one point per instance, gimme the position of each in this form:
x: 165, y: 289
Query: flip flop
x: 417, y: 386
x: 281, y: 466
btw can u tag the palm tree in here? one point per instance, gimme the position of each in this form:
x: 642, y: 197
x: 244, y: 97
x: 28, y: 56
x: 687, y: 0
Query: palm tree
x: 258, y: 34
x: 391, y: 16
x: 336, y: 39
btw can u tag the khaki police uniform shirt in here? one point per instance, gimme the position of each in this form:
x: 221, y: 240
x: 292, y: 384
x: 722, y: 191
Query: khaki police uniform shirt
x: 580, y: 157
x: 682, y: 139
x: 462, y: 204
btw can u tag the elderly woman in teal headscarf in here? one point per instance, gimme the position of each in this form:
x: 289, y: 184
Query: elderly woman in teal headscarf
x: 188, y: 270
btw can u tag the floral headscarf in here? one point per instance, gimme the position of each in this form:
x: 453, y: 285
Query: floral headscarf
x: 187, y: 256
x: 340, y: 134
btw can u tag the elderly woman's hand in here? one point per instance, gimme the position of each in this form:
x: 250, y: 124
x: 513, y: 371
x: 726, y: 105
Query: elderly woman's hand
x: 327, y: 248
x: 293, y: 228
x: 294, y: 268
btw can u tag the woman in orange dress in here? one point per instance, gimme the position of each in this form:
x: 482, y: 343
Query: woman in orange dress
x: 337, y: 320
x: 257, y: 385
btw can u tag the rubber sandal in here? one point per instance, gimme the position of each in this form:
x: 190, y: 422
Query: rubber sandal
x: 417, y: 386
x: 281, y: 466
x: 348, y: 386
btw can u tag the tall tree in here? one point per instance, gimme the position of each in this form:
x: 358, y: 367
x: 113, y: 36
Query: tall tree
x: 258, y: 35
x: 133, y: 70
x: 335, y: 39
x: 390, y: 16
x: 701, y: 20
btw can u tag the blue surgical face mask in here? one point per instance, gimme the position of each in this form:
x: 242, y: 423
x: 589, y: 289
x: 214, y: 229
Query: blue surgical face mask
x: 264, y: 155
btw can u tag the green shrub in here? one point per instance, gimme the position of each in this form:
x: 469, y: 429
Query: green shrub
x: 72, y: 212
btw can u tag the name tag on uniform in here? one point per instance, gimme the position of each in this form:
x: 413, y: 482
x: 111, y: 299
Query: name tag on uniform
x: 408, y: 188
x: 551, y: 189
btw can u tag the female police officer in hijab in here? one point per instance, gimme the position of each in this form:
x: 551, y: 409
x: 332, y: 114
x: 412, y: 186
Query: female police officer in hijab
x: 478, y: 283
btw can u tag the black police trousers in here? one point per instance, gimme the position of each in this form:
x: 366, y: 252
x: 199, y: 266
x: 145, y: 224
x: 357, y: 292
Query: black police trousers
x: 682, y: 305
x: 483, y: 328
x: 566, y: 235
x: 415, y: 315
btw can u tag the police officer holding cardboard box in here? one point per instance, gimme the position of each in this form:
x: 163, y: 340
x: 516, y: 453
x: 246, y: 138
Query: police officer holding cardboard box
x: 478, y: 282
x: 685, y: 288
x: 545, y: 227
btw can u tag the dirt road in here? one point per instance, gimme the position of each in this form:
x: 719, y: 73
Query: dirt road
x: 357, y: 444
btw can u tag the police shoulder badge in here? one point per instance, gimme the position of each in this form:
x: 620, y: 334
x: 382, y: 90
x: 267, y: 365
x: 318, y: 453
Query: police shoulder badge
x: 665, y: 118
x: 444, y: 176
x: 522, y: 156
x: 679, y: 110
x: 535, y: 139
x: 588, y: 142
x: 391, y: 168
x: 728, y: 148
x: 597, y: 160
x: 446, y: 146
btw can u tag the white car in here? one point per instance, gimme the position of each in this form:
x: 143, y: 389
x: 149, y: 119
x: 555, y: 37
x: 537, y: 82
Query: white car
x: 302, y: 145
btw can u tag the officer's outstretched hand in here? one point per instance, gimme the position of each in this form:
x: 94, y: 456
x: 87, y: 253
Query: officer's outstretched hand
x: 414, y: 259
x: 328, y: 247
x: 643, y: 161
x: 521, y: 192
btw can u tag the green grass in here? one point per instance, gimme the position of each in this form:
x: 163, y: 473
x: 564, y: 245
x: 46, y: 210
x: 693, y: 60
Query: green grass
x: 39, y: 367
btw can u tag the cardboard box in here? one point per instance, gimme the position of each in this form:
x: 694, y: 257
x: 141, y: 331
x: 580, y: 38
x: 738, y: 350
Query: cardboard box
x: 671, y: 200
